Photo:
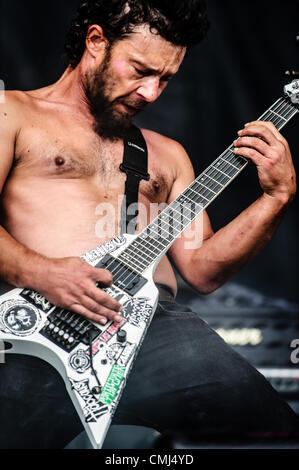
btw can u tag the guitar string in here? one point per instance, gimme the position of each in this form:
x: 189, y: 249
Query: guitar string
x: 266, y: 116
x: 282, y: 105
x: 194, y: 198
x: 290, y: 111
x: 135, y: 246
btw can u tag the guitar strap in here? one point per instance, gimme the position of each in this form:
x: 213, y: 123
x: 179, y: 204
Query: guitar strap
x: 135, y: 165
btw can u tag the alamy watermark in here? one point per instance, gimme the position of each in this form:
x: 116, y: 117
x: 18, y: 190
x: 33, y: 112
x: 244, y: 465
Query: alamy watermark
x: 163, y: 222
x: 295, y: 354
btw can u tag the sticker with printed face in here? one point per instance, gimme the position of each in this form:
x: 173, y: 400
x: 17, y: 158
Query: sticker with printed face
x: 80, y: 361
x: 19, y: 318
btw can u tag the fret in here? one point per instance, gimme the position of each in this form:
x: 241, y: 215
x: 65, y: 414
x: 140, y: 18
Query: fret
x: 127, y: 259
x: 143, y: 253
x: 215, y: 173
x: 180, y: 212
x: 151, y: 244
x: 238, y: 160
x: 185, y: 200
x: 203, y: 190
x: 188, y: 199
x: 128, y: 265
x: 227, y: 177
x: 211, y: 178
x: 229, y: 156
x: 284, y: 107
x: 231, y: 164
x: 276, y: 114
x: 200, y: 200
x: 168, y: 215
x: 204, y: 186
x: 137, y: 244
x: 159, y: 228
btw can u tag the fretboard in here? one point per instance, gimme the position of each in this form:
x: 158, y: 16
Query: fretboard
x: 156, y: 239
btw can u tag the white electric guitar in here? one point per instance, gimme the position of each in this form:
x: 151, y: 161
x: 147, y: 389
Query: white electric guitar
x: 95, y: 361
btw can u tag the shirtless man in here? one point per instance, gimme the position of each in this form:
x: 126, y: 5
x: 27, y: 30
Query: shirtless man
x: 61, y: 148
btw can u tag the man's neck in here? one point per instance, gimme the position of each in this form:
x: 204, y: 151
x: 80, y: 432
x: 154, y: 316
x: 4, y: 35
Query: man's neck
x: 69, y: 91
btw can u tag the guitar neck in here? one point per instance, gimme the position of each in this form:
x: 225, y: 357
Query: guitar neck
x: 156, y: 239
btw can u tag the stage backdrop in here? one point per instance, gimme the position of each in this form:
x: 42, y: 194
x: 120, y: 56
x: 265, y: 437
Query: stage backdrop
x: 230, y: 79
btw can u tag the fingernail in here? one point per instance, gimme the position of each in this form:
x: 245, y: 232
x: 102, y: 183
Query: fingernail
x: 103, y: 322
x: 118, y: 318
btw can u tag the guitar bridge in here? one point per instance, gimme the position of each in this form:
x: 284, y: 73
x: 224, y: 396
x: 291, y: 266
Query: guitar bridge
x: 67, y: 329
x: 123, y: 277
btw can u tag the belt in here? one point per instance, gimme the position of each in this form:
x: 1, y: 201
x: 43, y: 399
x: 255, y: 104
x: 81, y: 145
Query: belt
x: 165, y: 293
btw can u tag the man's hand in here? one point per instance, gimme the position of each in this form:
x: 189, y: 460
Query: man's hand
x: 70, y: 283
x: 263, y: 144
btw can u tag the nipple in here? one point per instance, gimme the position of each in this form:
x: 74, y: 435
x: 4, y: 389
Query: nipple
x: 156, y: 185
x: 59, y: 161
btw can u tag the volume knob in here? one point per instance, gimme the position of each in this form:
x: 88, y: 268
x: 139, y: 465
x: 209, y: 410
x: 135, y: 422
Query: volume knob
x: 122, y: 336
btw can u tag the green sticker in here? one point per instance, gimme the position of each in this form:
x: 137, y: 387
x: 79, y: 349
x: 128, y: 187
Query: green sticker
x: 112, y: 385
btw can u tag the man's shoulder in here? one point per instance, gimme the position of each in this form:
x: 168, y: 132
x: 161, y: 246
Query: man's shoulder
x: 159, y: 142
x: 169, y: 149
x: 13, y: 103
x: 15, y: 97
x: 12, y: 107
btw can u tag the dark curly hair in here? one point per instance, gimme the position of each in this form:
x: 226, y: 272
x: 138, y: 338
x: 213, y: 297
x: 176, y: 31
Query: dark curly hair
x: 181, y: 22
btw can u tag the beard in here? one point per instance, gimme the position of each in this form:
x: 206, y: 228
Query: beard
x: 109, y: 123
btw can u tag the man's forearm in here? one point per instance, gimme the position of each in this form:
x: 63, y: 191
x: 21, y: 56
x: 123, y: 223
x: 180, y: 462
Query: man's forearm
x: 19, y: 266
x: 232, y: 247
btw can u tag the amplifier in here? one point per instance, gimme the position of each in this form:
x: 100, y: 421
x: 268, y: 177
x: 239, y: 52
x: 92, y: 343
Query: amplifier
x: 263, y: 330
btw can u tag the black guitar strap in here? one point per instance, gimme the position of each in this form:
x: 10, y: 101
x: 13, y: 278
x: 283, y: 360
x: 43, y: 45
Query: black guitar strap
x: 135, y: 165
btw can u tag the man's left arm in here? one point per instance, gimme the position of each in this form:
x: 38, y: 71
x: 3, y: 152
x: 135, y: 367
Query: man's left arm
x: 225, y: 252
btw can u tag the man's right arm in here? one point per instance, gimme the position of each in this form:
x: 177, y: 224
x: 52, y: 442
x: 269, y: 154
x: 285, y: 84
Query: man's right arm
x: 70, y: 282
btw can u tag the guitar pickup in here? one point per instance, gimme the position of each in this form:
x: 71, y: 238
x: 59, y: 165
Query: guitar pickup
x: 123, y: 277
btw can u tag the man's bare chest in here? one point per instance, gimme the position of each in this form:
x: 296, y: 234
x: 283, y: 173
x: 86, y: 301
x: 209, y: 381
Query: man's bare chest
x: 76, y: 153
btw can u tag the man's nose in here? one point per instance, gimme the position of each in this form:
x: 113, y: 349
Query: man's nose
x: 150, y: 89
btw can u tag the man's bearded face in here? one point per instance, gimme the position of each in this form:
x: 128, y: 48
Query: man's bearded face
x: 110, y: 121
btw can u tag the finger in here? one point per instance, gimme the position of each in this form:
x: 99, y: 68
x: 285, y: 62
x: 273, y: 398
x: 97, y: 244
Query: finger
x: 259, y: 130
x: 77, y: 308
x: 272, y: 128
x: 102, y: 276
x: 253, y: 142
x: 100, y: 309
x: 105, y: 313
x: 250, y: 153
x: 102, y: 298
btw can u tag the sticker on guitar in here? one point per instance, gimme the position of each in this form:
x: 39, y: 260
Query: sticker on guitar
x: 18, y: 318
x: 93, y: 409
x: 103, y: 250
x: 137, y: 311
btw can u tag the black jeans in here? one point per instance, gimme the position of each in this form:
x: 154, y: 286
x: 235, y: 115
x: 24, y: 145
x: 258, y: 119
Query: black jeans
x: 187, y: 378
x: 184, y: 378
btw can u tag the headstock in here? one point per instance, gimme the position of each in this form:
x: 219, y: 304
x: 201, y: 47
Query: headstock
x: 291, y: 90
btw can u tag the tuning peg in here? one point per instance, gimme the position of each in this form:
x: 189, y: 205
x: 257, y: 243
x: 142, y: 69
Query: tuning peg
x: 292, y: 73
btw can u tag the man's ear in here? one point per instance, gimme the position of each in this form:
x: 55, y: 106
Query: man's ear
x: 96, y: 41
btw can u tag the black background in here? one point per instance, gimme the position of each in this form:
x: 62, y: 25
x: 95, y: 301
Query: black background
x: 228, y: 80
